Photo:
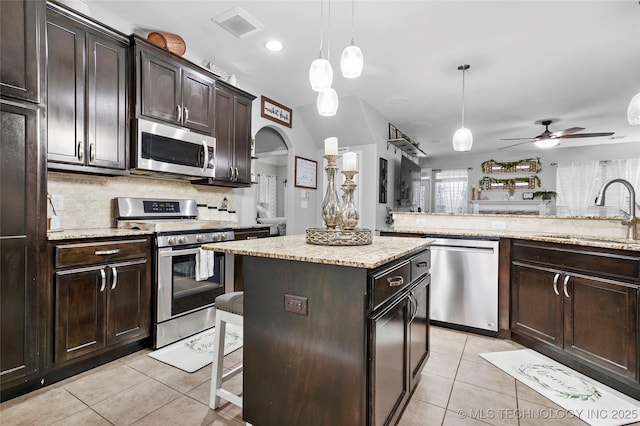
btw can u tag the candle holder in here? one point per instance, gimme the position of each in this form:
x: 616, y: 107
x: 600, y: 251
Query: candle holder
x: 331, y: 203
x: 349, y: 215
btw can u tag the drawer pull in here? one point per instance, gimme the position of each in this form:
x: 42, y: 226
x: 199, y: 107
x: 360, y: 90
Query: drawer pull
x: 555, y: 284
x: 422, y: 264
x: 254, y: 237
x: 106, y: 252
x: 114, y: 271
x: 103, y: 276
x: 564, y: 285
x: 395, y: 281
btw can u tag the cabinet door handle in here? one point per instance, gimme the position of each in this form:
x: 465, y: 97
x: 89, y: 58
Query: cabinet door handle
x: 179, y: 113
x: 103, y: 276
x: 237, y: 173
x: 231, y: 173
x: 80, y: 151
x: 106, y: 252
x: 413, y: 299
x: 186, y: 114
x: 564, y: 286
x: 555, y: 284
x: 395, y: 281
x: 115, y: 277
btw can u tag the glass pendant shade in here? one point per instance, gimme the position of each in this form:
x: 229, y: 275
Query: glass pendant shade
x: 351, y: 61
x: 547, y: 142
x: 320, y: 75
x: 462, y: 139
x: 633, y: 111
x: 327, y: 102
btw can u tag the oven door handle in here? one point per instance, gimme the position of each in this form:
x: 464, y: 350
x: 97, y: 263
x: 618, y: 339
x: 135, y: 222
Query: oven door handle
x: 178, y: 252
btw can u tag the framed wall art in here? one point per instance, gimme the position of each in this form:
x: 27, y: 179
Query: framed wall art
x: 272, y: 110
x: 382, y: 184
x: 306, y: 173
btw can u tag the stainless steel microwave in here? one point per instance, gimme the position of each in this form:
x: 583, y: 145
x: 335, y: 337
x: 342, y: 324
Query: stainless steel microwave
x: 165, y: 150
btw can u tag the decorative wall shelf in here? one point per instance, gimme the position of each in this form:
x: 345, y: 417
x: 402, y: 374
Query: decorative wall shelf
x: 527, y: 165
x: 525, y: 182
x: 532, y: 207
x: 403, y: 142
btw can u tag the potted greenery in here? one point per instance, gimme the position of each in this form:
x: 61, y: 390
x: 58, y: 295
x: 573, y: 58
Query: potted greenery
x: 545, y: 195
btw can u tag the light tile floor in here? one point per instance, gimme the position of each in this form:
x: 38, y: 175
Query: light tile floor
x: 457, y: 388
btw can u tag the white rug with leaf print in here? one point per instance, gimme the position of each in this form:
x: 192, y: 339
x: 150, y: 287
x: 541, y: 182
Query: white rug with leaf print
x: 581, y: 396
x: 195, y: 352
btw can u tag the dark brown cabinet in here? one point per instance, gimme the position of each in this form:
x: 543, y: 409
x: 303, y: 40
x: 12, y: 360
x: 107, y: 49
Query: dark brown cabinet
x: 233, y: 136
x: 171, y: 92
x: 87, y: 95
x: 581, y: 304
x: 101, y: 296
x: 22, y: 25
x: 20, y: 233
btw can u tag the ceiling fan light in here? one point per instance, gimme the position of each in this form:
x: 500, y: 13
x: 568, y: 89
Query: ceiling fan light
x: 320, y: 74
x: 633, y: 111
x: 462, y: 139
x: 351, y: 61
x: 327, y: 102
x: 547, y: 142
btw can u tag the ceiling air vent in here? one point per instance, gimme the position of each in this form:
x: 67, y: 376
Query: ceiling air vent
x: 238, y: 22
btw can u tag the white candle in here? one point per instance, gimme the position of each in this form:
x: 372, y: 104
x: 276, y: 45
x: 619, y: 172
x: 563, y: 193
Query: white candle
x: 331, y: 146
x: 349, y: 162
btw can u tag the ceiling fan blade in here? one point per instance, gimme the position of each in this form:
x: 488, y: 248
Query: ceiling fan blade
x: 587, y: 135
x: 561, y: 133
x: 518, y: 139
x: 516, y: 144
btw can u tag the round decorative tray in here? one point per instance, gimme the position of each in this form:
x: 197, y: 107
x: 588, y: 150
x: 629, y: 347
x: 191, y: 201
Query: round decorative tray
x: 336, y: 237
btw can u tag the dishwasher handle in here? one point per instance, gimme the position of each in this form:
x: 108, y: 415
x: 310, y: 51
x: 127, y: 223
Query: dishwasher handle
x: 466, y: 249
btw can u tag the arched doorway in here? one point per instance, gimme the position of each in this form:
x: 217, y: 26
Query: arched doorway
x: 272, y: 155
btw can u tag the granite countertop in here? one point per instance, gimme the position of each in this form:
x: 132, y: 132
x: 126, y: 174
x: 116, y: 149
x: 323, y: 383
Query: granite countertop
x: 72, y: 234
x: 294, y: 247
x: 602, y: 242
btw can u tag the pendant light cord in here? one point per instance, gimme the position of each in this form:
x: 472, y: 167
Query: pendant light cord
x: 463, y: 71
x: 329, y: 31
x: 321, y: 25
x: 353, y: 14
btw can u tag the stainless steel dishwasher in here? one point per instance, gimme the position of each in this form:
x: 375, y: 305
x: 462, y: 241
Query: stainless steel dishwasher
x: 464, y: 283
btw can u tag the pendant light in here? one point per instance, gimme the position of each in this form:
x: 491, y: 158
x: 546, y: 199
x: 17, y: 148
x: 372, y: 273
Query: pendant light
x: 462, y: 138
x: 327, y: 100
x: 320, y: 72
x: 352, y: 61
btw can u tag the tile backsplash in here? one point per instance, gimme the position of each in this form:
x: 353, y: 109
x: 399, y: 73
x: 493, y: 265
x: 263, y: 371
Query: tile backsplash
x: 88, y: 199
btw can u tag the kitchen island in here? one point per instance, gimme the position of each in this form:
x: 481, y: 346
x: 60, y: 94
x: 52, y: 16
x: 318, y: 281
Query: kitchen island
x: 332, y: 334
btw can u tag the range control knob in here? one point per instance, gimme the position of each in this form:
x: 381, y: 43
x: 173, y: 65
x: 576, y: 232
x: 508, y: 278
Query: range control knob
x: 200, y: 238
x: 217, y: 237
x: 223, y: 236
x: 182, y: 240
x: 172, y: 241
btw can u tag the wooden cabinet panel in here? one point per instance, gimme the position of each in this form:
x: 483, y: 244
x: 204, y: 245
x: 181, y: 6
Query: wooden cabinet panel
x: 79, y: 312
x: 242, y: 139
x: 390, y: 282
x: 19, y: 236
x: 536, y: 308
x: 20, y: 57
x: 128, y: 302
x: 83, y: 253
x: 224, y: 134
x: 419, y: 329
x: 197, y: 101
x: 159, y: 88
x: 601, y: 323
x: 65, y: 92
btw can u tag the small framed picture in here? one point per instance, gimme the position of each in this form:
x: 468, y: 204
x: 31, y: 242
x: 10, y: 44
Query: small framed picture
x: 382, y: 184
x: 275, y: 111
x: 306, y: 173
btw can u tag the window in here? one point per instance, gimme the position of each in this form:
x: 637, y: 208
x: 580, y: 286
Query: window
x: 450, y: 190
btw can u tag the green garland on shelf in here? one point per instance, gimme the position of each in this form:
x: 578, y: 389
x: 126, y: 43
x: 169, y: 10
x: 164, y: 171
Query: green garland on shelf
x: 510, y: 164
x: 510, y: 181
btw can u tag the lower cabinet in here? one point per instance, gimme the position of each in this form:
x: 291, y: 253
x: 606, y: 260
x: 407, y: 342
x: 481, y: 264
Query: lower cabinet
x: 102, y: 299
x: 580, y: 305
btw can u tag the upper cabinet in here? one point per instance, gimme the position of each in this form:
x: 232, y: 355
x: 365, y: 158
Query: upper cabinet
x: 233, y: 136
x: 171, y: 91
x: 86, y: 95
x: 20, y: 61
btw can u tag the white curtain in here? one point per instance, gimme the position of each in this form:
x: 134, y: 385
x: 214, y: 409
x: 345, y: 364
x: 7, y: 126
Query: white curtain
x: 267, y: 193
x: 628, y: 169
x: 576, y: 187
x: 451, y: 190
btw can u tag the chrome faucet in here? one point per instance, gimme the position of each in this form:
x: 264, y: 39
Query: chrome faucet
x: 632, y: 222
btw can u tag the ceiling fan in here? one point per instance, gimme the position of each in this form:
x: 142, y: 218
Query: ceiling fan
x: 548, y: 139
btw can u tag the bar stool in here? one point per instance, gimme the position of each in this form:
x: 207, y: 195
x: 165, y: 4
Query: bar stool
x: 229, y: 310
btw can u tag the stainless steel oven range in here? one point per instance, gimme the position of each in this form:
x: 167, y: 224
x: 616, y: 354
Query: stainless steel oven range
x: 183, y: 302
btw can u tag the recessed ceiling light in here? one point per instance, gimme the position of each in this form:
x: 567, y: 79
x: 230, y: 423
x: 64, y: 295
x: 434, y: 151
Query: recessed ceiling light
x: 274, y: 45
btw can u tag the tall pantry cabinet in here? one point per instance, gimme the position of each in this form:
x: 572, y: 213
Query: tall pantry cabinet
x: 22, y: 190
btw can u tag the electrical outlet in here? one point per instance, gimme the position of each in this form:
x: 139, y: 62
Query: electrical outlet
x: 58, y: 202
